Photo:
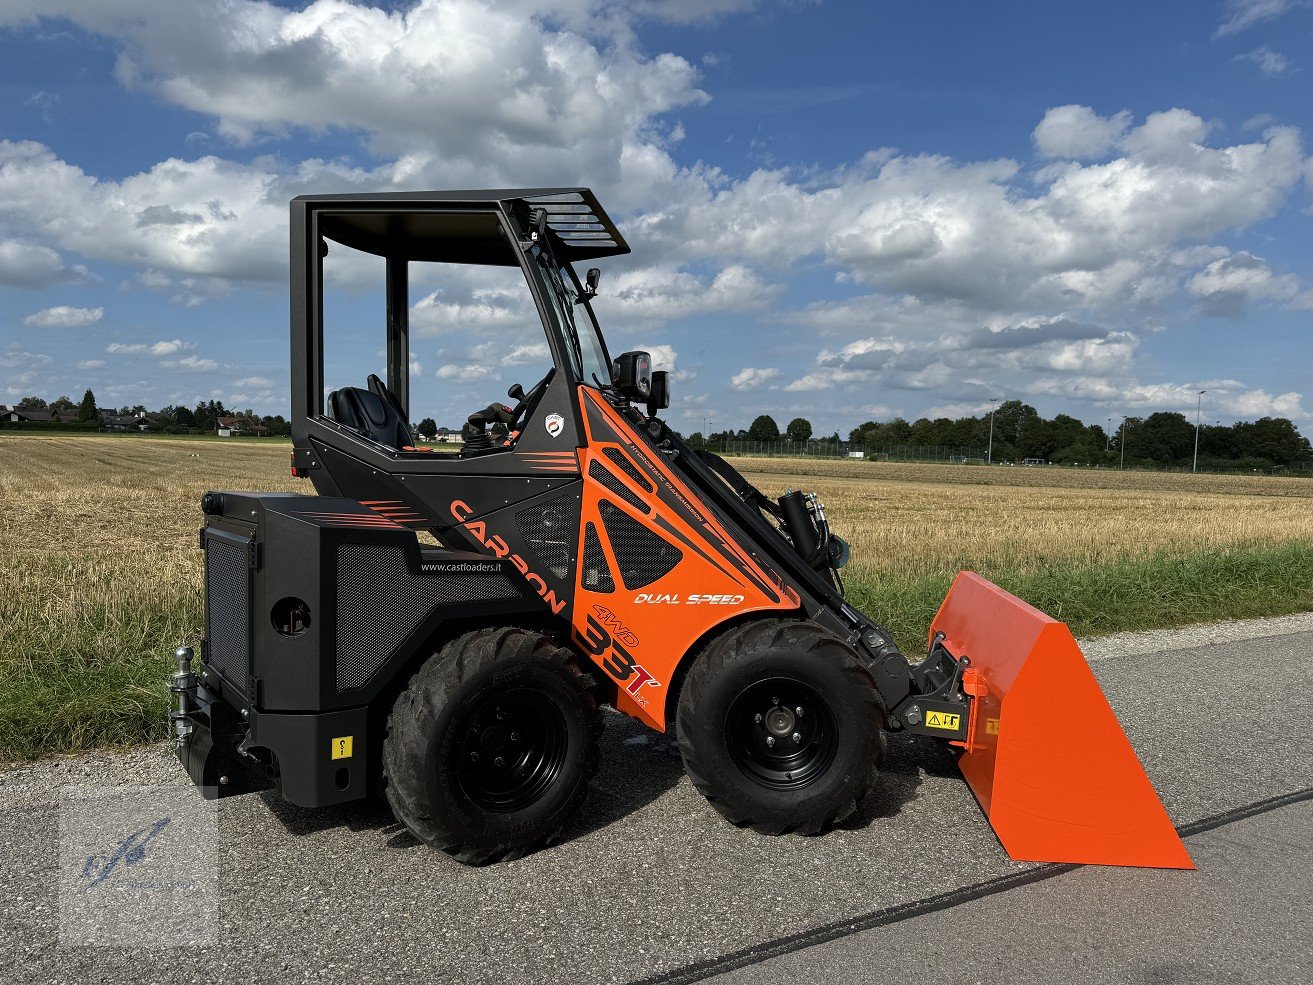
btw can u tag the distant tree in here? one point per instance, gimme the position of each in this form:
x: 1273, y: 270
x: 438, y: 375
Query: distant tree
x: 1275, y: 439
x: 427, y: 426
x: 764, y: 428
x: 696, y: 441
x: 832, y: 439
x: 62, y: 404
x: 32, y: 403
x: 87, y: 412
x: 1164, y: 439
x: 799, y: 429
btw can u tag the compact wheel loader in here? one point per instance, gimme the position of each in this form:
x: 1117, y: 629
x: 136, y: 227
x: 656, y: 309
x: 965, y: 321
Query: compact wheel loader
x: 578, y: 553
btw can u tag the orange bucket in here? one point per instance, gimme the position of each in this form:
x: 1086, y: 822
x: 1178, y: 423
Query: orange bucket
x: 1045, y: 755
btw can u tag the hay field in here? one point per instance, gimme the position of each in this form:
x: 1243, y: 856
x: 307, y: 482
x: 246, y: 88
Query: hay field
x: 102, y: 574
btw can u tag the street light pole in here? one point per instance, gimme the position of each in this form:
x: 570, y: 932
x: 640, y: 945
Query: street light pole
x: 1107, y: 436
x: 1122, y: 442
x: 1198, y: 406
x: 989, y: 455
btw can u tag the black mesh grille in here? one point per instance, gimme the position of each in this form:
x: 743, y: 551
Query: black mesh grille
x: 626, y: 465
x: 380, y: 603
x: 643, y: 557
x: 549, y: 531
x: 601, y: 474
x: 597, y: 573
x: 228, y: 608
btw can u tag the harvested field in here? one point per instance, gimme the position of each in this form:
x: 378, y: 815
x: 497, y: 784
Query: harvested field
x: 98, y: 537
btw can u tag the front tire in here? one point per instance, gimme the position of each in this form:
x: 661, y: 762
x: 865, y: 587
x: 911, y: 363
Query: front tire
x: 490, y: 749
x: 781, y: 727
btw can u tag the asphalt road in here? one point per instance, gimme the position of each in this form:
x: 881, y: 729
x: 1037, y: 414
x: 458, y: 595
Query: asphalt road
x: 651, y: 884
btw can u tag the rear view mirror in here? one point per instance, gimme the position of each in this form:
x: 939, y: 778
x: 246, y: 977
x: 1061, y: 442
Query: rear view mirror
x: 659, y: 398
x: 632, y: 374
x: 591, y: 280
x: 516, y: 392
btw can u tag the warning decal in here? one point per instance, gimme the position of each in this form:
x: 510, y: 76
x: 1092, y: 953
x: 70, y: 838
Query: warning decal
x: 341, y: 748
x: 942, y: 719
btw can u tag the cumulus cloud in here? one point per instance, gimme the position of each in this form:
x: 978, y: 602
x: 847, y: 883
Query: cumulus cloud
x: 752, y: 378
x: 1079, y: 133
x: 1227, y: 285
x: 64, y: 316
x: 27, y: 264
x: 665, y: 293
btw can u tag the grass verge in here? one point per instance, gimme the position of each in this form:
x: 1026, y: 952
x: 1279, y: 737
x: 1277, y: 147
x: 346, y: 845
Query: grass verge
x: 88, y: 669
x: 1152, y: 592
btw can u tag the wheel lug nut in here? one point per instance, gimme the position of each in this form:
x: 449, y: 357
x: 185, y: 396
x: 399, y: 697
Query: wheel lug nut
x: 499, y: 762
x: 501, y: 715
x: 797, y: 736
x: 515, y: 736
x: 474, y: 757
x: 798, y: 711
x: 757, y: 718
x: 775, y: 701
x: 770, y: 740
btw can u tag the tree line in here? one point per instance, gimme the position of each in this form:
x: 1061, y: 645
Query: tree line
x: 1160, y: 440
x: 174, y: 419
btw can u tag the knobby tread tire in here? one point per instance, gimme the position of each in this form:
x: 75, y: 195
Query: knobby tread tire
x: 417, y: 776
x: 701, y: 740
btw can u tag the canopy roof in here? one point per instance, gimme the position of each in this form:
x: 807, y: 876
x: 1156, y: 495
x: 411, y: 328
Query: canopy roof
x: 461, y: 226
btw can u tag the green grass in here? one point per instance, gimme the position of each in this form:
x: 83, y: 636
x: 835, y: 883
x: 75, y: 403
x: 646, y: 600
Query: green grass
x: 91, y: 671
x: 1153, y: 592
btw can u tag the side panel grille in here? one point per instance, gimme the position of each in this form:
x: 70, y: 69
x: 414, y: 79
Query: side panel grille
x: 605, y: 478
x: 643, y: 557
x: 626, y: 465
x: 597, y: 573
x: 228, y: 607
x: 549, y: 531
x: 380, y: 603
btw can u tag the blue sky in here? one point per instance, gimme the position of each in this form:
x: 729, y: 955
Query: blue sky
x: 838, y: 210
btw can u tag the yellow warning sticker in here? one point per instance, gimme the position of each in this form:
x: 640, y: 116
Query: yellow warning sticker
x: 942, y: 719
x: 341, y: 748
x: 991, y: 726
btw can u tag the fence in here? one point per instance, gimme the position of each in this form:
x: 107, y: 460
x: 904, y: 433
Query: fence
x: 846, y: 449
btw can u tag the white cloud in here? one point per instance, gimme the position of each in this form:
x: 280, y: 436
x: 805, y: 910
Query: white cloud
x: 482, y: 310
x: 254, y: 383
x: 1079, y: 133
x: 1246, y: 13
x: 665, y: 293
x: 27, y: 264
x: 193, y: 363
x: 1226, y: 285
x: 752, y: 378
x: 14, y: 358
x: 65, y: 316
x: 168, y: 347
x: 465, y: 373
x: 1269, y: 62
x: 92, y: 364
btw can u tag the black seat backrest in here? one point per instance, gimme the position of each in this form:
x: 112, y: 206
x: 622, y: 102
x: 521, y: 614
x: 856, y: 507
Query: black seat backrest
x: 375, y: 415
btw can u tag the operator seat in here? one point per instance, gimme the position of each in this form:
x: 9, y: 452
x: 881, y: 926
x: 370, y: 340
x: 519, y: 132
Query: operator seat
x: 375, y: 413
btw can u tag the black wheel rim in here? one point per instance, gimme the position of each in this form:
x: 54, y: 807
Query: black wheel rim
x: 781, y: 733
x: 511, y: 749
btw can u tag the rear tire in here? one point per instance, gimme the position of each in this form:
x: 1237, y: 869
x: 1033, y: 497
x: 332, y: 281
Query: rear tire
x: 490, y: 749
x: 746, y: 748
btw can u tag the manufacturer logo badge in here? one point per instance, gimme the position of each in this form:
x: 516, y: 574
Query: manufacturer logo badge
x: 555, y: 424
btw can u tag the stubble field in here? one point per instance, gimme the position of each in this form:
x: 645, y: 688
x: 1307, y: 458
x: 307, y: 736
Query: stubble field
x: 102, y: 574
